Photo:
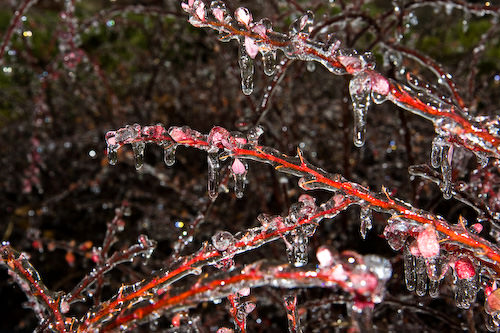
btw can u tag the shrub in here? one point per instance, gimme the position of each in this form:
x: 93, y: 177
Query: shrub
x: 357, y: 105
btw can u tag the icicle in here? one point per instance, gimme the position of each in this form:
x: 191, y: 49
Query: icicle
x: 169, y: 153
x: 446, y: 161
x: 138, y: 149
x: 239, y: 170
x: 113, y: 154
x: 433, y: 268
x: 297, y: 240
x: 437, y: 151
x: 434, y: 288
x: 360, y: 90
x: 465, y: 292
x: 409, y: 268
x: 296, y: 248
x: 421, y: 274
x: 292, y: 314
x: 269, y: 61
x: 365, y: 217
x: 213, y: 174
x: 112, y: 147
x: 246, y: 68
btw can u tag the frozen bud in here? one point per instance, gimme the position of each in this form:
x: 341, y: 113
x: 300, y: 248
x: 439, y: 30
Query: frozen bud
x: 260, y: 29
x: 200, y: 10
x: 238, y: 167
x: 380, y: 85
x: 225, y: 330
x: 219, y: 10
x: 251, y: 47
x: 476, y: 228
x: 493, y: 301
x: 222, y: 240
x: 464, y: 268
x: 219, y: 14
x: 324, y: 256
x: 427, y: 242
x: 178, y: 134
x: 244, y: 291
x: 219, y: 136
x: 247, y: 307
x: 243, y: 16
x: 64, y: 306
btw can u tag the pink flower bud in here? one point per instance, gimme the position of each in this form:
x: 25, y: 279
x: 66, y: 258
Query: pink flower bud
x: 427, y: 242
x: 464, y: 268
x: 251, y: 48
x: 260, y: 29
x: 380, y: 85
x: 200, y: 11
x: 219, y: 14
x: 243, y: 16
x: 324, y: 256
x: 238, y: 167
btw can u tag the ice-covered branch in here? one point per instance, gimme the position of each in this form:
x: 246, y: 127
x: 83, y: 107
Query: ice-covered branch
x: 361, y: 277
x: 294, y: 229
x: 480, y: 135
x: 49, y: 307
x: 221, y: 145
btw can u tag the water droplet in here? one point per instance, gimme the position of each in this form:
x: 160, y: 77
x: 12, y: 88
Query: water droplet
x: 222, y: 240
x: 254, y: 134
x: 311, y: 66
x: 302, y: 25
